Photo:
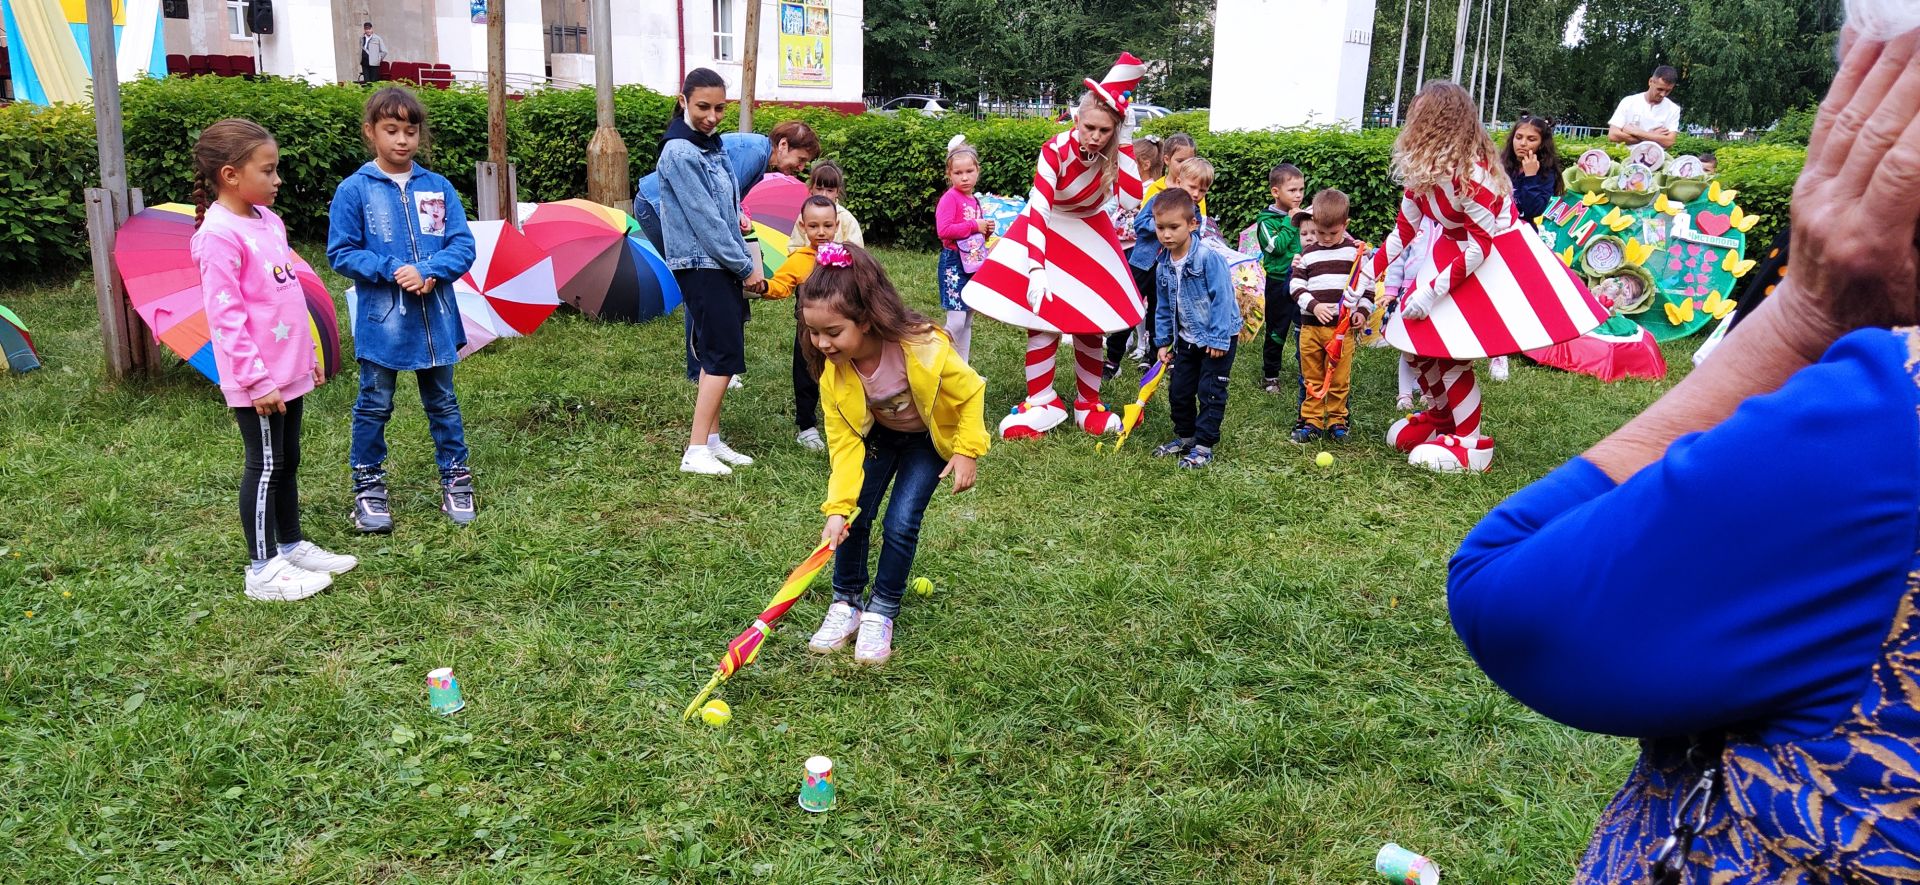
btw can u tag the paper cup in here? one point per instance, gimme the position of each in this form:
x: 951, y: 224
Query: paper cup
x: 443, y: 692
x: 816, y: 791
x: 1396, y: 864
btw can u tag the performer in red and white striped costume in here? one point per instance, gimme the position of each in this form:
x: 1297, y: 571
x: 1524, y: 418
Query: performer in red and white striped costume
x: 1059, y: 269
x: 1490, y: 289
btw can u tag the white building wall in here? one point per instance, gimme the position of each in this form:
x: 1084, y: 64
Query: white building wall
x: 1323, y: 80
x: 302, y: 42
x: 463, y: 44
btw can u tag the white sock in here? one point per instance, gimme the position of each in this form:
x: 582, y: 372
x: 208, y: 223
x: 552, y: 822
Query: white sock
x: 696, y: 450
x: 713, y: 439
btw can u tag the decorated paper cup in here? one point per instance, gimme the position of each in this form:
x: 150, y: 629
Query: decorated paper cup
x: 1396, y: 864
x: 816, y: 790
x: 443, y: 692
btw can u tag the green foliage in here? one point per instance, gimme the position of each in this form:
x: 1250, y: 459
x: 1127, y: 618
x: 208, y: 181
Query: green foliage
x: 1795, y: 127
x: 551, y: 130
x: 50, y: 158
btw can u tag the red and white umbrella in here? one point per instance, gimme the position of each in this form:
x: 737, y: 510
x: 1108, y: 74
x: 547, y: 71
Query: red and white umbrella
x: 510, y: 289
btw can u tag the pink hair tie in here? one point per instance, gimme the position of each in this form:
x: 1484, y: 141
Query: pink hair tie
x: 835, y: 255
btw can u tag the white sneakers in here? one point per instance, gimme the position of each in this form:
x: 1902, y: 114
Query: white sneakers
x: 1497, y: 367
x: 719, y: 448
x: 314, y: 558
x: 811, y: 440
x: 843, y: 622
x: 875, y: 644
x: 282, y: 581
x: 700, y: 460
x: 838, y: 627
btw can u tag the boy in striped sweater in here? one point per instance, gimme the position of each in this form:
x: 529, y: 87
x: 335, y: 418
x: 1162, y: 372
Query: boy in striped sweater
x: 1320, y: 278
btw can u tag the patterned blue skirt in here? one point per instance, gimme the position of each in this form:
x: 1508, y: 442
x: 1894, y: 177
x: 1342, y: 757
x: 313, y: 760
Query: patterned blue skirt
x: 952, y: 280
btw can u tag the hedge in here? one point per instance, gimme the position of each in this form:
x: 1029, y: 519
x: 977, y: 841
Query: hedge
x: 894, y: 163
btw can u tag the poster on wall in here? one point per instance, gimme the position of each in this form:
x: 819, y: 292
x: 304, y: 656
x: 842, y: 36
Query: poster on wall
x: 478, y: 11
x: 806, y: 43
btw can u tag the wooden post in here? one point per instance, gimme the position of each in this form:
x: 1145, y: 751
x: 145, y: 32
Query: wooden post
x: 609, y: 181
x: 129, y: 347
x: 497, y: 103
x: 750, y: 66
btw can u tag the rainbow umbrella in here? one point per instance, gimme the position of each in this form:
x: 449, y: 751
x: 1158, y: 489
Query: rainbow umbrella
x: 153, y: 252
x: 509, y: 291
x: 1133, y: 414
x: 774, y: 208
x: 603, y: 265
x: 16, y: 346
x: 746, y: 646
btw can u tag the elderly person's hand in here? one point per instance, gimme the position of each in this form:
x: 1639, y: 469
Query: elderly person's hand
x: 1857, y: 202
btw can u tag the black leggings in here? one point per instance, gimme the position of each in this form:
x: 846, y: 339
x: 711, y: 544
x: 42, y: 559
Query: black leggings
x: 269, y: 494
x: 806, y: 388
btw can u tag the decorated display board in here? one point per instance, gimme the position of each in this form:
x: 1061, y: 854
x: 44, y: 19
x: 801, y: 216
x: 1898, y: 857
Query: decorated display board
x: 806, y: 43
x: 1659, y: 240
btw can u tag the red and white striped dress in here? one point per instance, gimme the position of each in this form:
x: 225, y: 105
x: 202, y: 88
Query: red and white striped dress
x: 1065, y: 234
x: 1499, y: 291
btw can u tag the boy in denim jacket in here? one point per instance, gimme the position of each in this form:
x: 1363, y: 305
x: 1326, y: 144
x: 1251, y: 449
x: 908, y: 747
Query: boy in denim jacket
x: 399, y: 232
x: 1197, y: 325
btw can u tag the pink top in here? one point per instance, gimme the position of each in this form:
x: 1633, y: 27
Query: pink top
x: 256, y: 311
x: 888, y: 395
x: 956, y: 218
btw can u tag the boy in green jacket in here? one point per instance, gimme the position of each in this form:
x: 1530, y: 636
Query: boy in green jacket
x: 1279, y: 246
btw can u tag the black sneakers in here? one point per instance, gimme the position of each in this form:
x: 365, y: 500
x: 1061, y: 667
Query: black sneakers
x: 370, y: 513
x: 456, y: 498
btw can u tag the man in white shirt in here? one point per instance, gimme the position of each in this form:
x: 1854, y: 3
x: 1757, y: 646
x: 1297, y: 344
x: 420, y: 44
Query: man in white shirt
x: 373, y: 51
x: 1648, y: 116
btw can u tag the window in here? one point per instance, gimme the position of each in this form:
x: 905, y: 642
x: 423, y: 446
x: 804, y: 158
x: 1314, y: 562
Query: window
x: 237, y: 20
x: 723, y: 30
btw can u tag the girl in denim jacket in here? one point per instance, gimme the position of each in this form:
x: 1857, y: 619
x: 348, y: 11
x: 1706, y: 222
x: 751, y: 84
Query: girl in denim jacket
x: 699, y: 213
x: 399, y: 232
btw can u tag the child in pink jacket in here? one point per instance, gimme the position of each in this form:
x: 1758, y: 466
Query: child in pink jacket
x: 263, y: 350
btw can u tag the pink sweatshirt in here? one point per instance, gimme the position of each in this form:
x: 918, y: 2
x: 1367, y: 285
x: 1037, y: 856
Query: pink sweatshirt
x: 956, y: 218
x: 256, y: 311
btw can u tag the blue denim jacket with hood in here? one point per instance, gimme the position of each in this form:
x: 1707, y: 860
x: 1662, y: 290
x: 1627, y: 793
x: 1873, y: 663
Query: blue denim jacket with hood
x: 700, y: 204
x: 748, y: 155
x: 1196, y: 301
x: 378, y: 227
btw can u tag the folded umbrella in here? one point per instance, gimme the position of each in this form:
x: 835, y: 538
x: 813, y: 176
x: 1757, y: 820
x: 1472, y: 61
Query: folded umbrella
x: 16, y: 346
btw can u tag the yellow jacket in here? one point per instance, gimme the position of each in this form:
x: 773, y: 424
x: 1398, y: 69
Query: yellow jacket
x: 792, y: 273
x: 948, y: 393
x: 1159, y: 184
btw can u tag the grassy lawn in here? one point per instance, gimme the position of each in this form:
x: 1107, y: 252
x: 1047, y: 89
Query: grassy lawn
x: 1128, y: 672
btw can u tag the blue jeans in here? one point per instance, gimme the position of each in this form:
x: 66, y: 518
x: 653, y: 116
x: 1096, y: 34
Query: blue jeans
x: 909, y: 463
x: 375, y: 407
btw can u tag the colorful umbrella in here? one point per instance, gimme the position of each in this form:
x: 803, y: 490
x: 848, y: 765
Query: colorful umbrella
x: 16, y: 346
x: 601, y: 269
x: 153, y: 252
x: 1620, y: 348
x: 746, y: 646
x: 774, y: 207
x: 509, y: 291
x: 1134, y: 413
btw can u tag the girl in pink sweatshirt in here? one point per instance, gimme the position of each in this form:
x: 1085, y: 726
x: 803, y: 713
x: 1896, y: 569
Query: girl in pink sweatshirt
x: 963, y: 236
x: 263, y: 349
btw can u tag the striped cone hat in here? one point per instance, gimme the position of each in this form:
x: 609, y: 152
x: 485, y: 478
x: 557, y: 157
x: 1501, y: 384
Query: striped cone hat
x: 1117, y: 88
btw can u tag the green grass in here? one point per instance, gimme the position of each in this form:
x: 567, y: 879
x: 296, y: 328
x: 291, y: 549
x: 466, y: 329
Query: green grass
x: 1128, y: 673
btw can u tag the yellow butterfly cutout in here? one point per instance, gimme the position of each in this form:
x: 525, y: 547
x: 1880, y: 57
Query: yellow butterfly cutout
x: 1567, y: 256
x: 1593, y: 199
x: 1638, y: 253
x: 1735, y: 265
x: 1617, y: 221
x: 1713, y: 191
x: 1741, y: 221
x: 1680, y: 314
x: 1664, y: 206
x: 1716, y: 306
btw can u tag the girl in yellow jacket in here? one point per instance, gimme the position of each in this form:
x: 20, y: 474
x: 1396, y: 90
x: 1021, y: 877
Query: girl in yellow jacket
x: 903, y: 410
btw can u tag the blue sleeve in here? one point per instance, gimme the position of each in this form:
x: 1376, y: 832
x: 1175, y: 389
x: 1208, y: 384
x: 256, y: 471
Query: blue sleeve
x: 1531, y: 194
x: 1146, y: 241
x: 649, y: 190
x: 1746, y: 579
x: 457, y: 249
x: 1225, y: 322
x: 347, y: 238
x: 1163, y: 309
x: 748, y: 154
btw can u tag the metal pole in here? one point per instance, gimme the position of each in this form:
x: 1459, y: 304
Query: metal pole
x: 1480, y: 57
x: 1400, y: 67
x: 1420, y: 76
x: 1505, y: 8
x: 609, y: 181
x: 1462, y: 24
x: 750, y: 66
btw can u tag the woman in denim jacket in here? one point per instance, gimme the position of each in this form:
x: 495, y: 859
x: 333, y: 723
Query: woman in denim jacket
x: 699, y: 211
x: 400, y: 234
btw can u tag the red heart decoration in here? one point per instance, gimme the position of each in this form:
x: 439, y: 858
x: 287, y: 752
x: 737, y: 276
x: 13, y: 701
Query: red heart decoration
x: 1713, y: 225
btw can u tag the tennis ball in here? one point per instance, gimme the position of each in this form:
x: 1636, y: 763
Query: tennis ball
x: 923, y: 586
x: 1324, y: 459
x: 716, y: 713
